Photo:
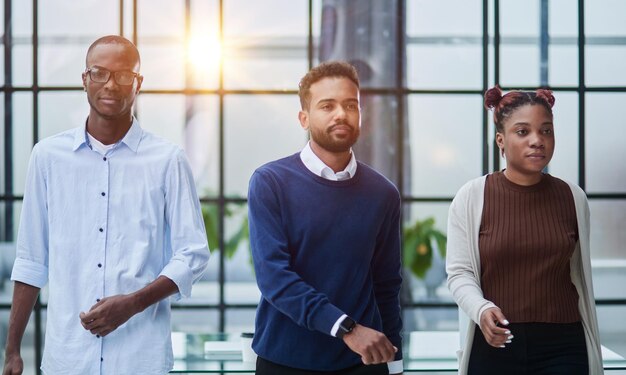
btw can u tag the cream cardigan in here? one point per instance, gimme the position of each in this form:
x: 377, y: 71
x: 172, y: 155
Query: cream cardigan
x: 463, y: 267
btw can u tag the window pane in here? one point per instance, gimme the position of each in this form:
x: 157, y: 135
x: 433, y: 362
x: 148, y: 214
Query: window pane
x: 432, y: 285
x: 161, y: 43
x: 454, y: 65
x: 166, y: 115
x: 22, y: 138
x: 444, y: 47
x: 563, y: 64
x: 195, y: 322
x: 65, y: 17
x: 445, y: 135
x: 520, y: 19
x: 241, y: 284
x: 206, y: 290
x: 260, y: 53
x: 446, y: 17
x: 605, y: 18
x: 163, y: 115
x: 9, y: 210
x: 519, y: 64
x: 204, y: 50
x: 162, y: 65
x: 258, y: 129
x: 28, y: 341
x: 519, y: 51
x: 428, y: 319
x: 2, y: 150
x: 22, y: 43
x: 66, y: 29
x: 563, y: 47
x: 240, y: 320
x: 2, y: 65
x: 611, y: 324
x: 378, y: 143
x: 62, y: 64
x: 605, y: 64
x: 607, y: 228
x: 61, y: 110
x: 158, y: 18
x: 605, y: 51
x: 605, y: 132
x: 22, y: 63
x: 563, y: 18
x: 564, y: 163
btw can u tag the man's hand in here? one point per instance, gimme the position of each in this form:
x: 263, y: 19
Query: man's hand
x: 490, y: 322
x: 109, y: 313
x: 13, y: 364
x: 371, y: 345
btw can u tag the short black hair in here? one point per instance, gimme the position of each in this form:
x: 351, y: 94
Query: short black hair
x: 324, y: 70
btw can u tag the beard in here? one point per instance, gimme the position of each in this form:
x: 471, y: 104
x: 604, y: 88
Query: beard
x: 332, y: 143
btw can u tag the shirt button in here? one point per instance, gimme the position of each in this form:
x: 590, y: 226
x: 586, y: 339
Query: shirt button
x: 103, y: 193
x: 104, y: 158
x: 99, y: 265
x: 97, y: 299
x: 101, y: 359
x: 98, y: 336
x: 101, y: 230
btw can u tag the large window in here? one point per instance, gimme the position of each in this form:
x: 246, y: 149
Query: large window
x: 221, y: 80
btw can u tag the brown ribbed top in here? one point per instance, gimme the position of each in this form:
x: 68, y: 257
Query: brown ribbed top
x: 527, y: 237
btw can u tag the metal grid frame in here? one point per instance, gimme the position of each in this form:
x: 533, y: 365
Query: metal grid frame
x: 400, y: 90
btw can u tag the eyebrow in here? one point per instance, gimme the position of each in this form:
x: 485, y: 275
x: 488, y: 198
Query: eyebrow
x: 330, y: 100
x: 527, y: 124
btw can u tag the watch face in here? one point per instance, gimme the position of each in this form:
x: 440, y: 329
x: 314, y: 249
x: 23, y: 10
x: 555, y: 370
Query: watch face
x: 347, y: 324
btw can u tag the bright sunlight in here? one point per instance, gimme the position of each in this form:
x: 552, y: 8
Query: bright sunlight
x: 204, y: 54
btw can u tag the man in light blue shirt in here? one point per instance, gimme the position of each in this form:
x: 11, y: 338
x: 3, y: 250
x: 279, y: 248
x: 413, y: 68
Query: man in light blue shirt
x: 112, y: 223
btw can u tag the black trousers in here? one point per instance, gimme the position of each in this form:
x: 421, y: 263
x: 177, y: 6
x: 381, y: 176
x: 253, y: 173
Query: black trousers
x: 265, y: 367
x: 537, y: 349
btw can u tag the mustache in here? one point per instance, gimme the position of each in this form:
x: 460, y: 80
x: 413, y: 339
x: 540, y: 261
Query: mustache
x: 343, y: 123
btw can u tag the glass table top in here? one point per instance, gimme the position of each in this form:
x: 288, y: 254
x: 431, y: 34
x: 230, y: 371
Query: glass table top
x: 424, y: 352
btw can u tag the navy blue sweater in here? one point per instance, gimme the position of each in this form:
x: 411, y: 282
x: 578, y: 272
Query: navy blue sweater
x: 322, y: 248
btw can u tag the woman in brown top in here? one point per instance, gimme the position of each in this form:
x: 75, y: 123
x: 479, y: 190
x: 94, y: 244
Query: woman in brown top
x: 518, y: 283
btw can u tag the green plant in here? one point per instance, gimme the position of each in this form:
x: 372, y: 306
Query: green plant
x: 417, y: 250
x: 210, y: 214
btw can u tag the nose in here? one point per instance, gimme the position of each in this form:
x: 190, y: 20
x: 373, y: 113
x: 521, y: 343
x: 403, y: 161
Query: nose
x: 536, y: 140
x: 340, y: 113
x: 111, y: 84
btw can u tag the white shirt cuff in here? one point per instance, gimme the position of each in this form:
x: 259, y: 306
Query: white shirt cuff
x: 333, y: 331
x: 395, y: 367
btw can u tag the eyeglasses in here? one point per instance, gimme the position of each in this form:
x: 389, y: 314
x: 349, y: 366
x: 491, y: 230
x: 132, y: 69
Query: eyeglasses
x: 122, y: 77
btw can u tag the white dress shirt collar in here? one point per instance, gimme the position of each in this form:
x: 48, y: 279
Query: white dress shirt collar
x: 317, y: 166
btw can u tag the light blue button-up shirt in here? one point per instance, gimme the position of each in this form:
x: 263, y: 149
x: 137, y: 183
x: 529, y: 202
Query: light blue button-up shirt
x: 96, y: 225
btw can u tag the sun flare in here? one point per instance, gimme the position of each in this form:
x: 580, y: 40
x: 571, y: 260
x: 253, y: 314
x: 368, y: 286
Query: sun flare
x: 204, y: 54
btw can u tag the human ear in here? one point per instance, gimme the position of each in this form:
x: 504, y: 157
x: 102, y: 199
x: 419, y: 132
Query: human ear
x: 303, y: 117
x: 500, y: 142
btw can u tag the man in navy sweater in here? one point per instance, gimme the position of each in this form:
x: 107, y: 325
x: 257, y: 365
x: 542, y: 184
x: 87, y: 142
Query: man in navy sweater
x: 325, y: 238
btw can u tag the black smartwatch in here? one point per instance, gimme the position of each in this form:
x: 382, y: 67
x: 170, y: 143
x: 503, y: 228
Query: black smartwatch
x: 346, y: 326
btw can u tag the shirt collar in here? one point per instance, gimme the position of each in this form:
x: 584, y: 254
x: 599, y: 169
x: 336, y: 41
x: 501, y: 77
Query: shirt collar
x: 317, y: 166
x: 131, y: 138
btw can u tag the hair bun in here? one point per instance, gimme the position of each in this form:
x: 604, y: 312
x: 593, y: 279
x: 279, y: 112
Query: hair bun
x: 546, y: 95
x: 493, y: 97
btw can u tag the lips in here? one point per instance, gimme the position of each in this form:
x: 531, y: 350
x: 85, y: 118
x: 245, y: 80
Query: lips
x: 340, y: 128
x: 537, y: 156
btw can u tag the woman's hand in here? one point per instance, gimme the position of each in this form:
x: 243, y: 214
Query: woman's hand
x: 493, y: 325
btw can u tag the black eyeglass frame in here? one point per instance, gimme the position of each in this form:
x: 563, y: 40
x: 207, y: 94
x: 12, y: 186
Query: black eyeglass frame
x: 89, y: 71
